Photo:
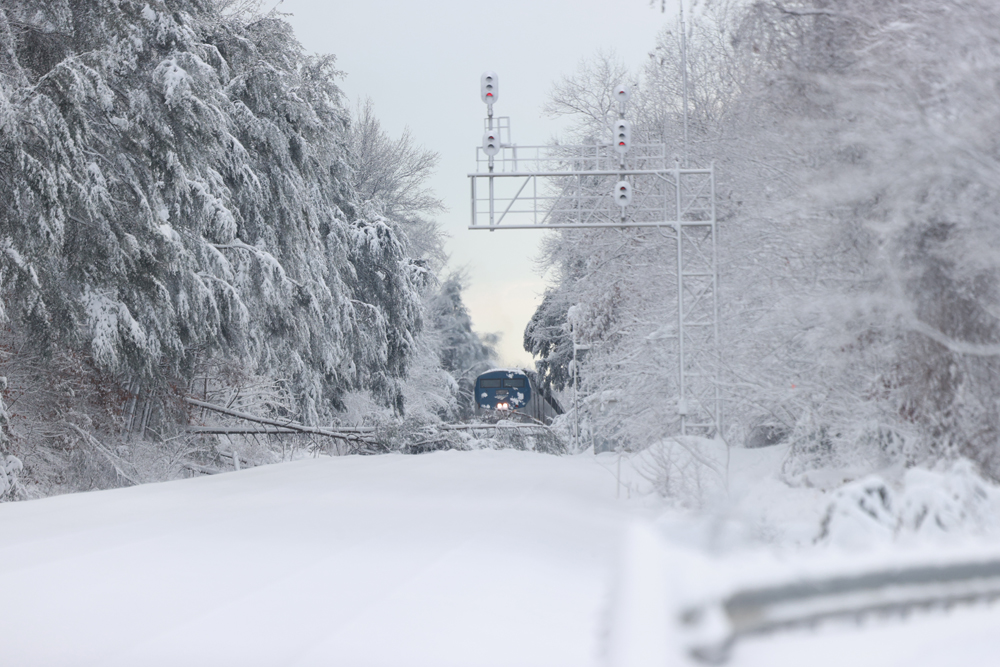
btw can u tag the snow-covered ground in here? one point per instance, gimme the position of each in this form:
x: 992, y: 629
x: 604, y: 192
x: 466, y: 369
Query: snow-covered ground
x: 499, y: 558
x: 480, y: 558
x: 959, y: 638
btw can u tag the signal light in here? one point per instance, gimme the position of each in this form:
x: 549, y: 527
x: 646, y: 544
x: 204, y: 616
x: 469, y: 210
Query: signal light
x: 622, y: 93
x: 623, y: 136
x: 491, y: 142
x: 489, y: 87
x: 623, y: 193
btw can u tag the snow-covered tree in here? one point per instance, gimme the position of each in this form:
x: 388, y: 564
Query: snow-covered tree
x: 188, y: 196
x: 391, y: 173
x: 179, y: 187
x: 855, y: 165
x: 622, y: 283
x: 895, y: 102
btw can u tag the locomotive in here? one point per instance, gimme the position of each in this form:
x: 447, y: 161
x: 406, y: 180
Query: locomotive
x: 513, y: 392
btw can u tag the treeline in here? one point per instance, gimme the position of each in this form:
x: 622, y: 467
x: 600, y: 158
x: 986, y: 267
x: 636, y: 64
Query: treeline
x: 856, y: 149
x: 191, y: 208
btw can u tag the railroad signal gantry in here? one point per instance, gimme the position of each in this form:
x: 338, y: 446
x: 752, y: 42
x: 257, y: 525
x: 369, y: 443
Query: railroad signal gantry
x: 616, y: 184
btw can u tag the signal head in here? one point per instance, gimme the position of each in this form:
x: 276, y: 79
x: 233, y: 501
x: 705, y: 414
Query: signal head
x: 622, y: 136
x: 489, y: 87
x: 623, y: 194
x: 491, y: 142
x: 622, y: 93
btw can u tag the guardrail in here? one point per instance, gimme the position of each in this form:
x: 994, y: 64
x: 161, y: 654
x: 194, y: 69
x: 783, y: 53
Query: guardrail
x: 718, y: 626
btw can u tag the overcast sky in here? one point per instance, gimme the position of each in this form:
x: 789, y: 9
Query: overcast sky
x: 420, y: 63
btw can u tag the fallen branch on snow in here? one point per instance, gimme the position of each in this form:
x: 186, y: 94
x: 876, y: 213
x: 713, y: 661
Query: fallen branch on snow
x: 104, y: 451
x: 352, y: 434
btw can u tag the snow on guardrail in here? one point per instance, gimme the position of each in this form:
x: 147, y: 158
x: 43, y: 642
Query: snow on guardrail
x: 672, y: 604
x: 803, y: 603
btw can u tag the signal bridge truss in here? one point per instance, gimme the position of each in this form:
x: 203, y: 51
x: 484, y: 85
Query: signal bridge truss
x: 584, y: 187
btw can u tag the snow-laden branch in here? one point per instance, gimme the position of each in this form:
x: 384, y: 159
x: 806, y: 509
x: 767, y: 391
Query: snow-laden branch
x: 264, y: 257
x: 956, y: 346
x: 355, y: 434
x: 104, y: 451
x: 800, y: 11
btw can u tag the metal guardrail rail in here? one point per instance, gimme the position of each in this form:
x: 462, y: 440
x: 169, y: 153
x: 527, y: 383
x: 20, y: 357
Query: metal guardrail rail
x: 805, y: 603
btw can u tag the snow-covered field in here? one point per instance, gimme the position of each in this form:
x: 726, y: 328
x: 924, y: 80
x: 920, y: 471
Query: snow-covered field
x: 454, y: 558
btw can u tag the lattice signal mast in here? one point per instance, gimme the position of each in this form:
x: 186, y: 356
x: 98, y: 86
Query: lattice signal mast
x: 617, y: 184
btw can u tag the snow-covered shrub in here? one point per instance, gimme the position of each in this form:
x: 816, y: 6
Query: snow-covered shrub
x: 861, y: 512
x: 9, y: 469
x: 819, y: 447
x: 416, y: 436
x: 4, y: 415
x: 766, y: 434
x: 955, y: 500
x: 532, y: 440
x: 10, y: 465
x: 685, y: 470
x: 420, y: 439
x: 945, y: 502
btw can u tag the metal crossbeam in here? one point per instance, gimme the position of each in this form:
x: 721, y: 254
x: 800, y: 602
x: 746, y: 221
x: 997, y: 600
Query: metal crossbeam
x: 572, y: 186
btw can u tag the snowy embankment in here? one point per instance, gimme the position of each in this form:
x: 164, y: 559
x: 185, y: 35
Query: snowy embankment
x: 454, y: 558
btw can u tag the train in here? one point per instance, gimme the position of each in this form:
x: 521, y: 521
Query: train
x: 514, y: 393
